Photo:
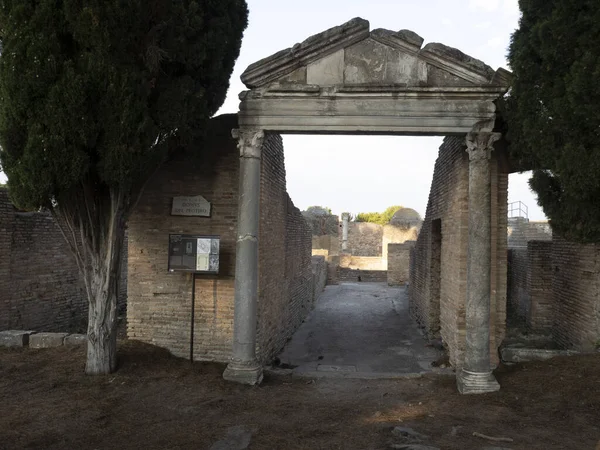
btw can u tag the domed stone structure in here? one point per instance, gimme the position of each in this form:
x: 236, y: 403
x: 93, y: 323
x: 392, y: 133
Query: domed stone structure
x: 406, y: 217
x: 317, y: 211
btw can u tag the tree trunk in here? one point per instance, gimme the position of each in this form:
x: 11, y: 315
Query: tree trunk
x: 102, y: 281
x: 92, y: 219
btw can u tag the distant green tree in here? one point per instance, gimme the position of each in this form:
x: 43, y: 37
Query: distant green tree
x: 93, y: 96
x: 379, y: 218
x: 552, y: 111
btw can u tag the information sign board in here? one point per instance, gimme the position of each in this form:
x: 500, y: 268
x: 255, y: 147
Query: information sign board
x: 194, y: 253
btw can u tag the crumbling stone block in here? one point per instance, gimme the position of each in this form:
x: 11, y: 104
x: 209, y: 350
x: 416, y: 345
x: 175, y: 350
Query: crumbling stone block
x: 75, y: 339
x: 46, y: 340
x: 15, y: 338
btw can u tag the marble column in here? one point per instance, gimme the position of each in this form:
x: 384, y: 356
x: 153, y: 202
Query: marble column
x: 476, y: 375
x: 244, y: 367
x: 345, y: 219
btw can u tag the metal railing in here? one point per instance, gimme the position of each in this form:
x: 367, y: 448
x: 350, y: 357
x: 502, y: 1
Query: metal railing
x: 518, y: 209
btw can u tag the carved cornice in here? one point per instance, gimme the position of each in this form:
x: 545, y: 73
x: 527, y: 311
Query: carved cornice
x: 250, y: 142
x: 313, y: 48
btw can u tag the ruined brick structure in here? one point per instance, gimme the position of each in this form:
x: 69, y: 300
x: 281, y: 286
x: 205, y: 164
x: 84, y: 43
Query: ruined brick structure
x: 438, y: 280
x: 40, y: 286
x: 521, y: 230
x: 554, y: 289
x: 529, y: 293
x: 160, y: 302
x: 365, y: 239
x: 398, y: 259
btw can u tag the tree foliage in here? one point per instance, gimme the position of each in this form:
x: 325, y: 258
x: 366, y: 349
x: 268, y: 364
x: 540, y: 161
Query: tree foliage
x: 94, y: 94
x: 379, y: 218
x: 552, y: 111
x: 318, y: 210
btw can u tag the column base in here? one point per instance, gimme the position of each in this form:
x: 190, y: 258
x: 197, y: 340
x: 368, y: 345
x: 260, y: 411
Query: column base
x: 244, y: 372
x: 476, y: 382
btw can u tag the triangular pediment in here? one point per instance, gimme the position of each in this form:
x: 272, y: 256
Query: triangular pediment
x: 351, y: 54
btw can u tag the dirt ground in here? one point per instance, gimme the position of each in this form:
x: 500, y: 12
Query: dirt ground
x: 156, y: 401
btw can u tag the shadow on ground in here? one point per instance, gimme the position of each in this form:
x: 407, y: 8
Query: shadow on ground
x: 156, y: 401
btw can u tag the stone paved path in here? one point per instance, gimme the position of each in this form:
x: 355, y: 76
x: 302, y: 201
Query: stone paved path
x: 359, y: 330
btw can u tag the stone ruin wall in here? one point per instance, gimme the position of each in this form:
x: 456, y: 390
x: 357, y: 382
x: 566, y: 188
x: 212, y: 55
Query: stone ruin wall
x: 40, y: 285
x: 554, y: 289
x: 438, y: 266
x: 160, y: 302
x: 399, y: 263
x: 521, y: 231
x: 366, y: 257
x: 364, y: 239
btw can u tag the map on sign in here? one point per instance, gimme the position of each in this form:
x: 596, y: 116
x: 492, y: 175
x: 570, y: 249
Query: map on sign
x: 194, y: 253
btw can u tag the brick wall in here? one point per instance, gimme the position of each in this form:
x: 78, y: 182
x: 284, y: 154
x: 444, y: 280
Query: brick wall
x: 159, y: 304
x: 359, y: 275
x: 285, y: 257
x: 361, y: 262
x: 575, y: 287
x: 518, y: 297
x: 40, y: 287
x: 319, y: 272
x: 364, y: 239
x: 521, y: 230
x: 159, y: 309
x: 398, y: 260
x: 7, y: 213
x: 438, y: 274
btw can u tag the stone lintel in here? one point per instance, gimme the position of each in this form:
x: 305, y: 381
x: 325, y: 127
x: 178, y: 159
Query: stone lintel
x: 291, y: 91
x: 476, y: 383
x: 313, y: 48
x: 250, y: 373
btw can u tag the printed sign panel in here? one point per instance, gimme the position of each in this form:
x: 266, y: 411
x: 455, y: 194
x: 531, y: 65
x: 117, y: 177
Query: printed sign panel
x: 194, y: 253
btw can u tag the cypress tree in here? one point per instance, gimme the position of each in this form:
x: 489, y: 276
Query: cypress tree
x: 94, y: 94
x: 552, y: 111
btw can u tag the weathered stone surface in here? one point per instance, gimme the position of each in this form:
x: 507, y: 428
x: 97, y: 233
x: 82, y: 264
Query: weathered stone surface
x: 327, y: 71
x: 286, y: 61
x: 159, y: 303
x: 413, y: 447
x: 514, y: 355
x: 475, y: 376
x: 236, y: 438
x: 75, y: 339
x: 436, y: 274
x: 404, y: 39
x: 40, y: 284
x: 15, y: 338
x: 406, y: 432
x: 46, y: 340
x: 455, y: 56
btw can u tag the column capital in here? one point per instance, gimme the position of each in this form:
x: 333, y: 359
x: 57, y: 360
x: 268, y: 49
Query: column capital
x: 250, y: 141
x: 481, y: 144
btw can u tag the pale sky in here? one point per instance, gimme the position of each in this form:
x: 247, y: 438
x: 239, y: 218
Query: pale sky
x: 361, y: 173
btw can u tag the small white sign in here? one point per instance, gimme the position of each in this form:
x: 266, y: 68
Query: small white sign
x: 190, y: 206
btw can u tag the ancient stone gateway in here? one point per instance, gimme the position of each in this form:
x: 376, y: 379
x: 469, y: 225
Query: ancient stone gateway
x: 350, y: 80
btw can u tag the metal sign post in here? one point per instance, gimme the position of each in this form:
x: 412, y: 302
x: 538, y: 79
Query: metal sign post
x: 195, y: 254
